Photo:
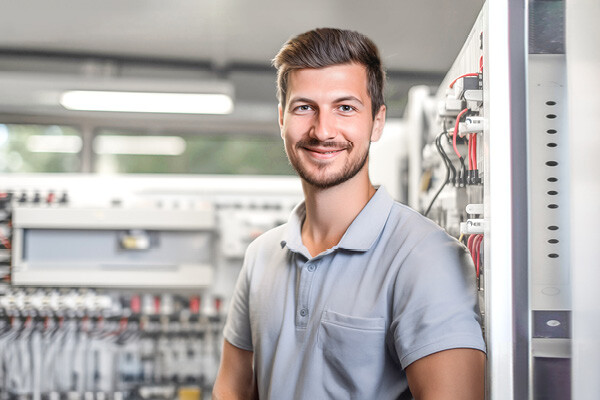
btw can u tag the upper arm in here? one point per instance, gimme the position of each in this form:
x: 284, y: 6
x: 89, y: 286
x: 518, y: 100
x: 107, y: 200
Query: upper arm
x: 435, y: 301
x: 235, y: 379
x: 448, y: 374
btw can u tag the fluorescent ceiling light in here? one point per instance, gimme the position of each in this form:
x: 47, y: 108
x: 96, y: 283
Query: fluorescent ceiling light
x: 179, y: 103
x: 153, y: 145
x: 54, y: 144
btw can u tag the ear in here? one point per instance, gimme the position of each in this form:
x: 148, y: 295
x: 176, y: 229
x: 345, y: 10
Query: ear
x: 280, y: 110
x: 378, y: 124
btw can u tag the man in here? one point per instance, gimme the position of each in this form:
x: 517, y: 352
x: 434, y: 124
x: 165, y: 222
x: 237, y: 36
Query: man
x: 357, y: 296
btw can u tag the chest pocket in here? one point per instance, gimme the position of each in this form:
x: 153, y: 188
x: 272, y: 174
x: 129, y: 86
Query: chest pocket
x: 353, y: 351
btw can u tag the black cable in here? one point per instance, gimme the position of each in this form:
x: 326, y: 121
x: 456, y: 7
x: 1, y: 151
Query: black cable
x: 462, y: 175
x: 448, y: 160
x: 452, y: 169
x: 443, y: 154
x: 447, y: 179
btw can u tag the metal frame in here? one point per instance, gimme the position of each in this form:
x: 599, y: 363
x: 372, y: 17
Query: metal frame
x: 583, y: 64
x: 550, y: 282
x: 505, y: 200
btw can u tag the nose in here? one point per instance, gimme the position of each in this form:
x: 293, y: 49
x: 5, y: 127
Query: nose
x: 324, y: 127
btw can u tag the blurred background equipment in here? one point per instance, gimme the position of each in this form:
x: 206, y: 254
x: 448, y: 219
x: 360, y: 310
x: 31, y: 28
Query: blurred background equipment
x: 117, y: 286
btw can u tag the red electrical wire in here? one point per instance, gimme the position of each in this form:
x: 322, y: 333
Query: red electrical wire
x: 470, y: 147
x: 474, y: 151
x: 474, y: 246
x: 462, y: 76
x: 470, y: 246
x: 479, y: 257
x: 477, y: 270
x: 5, y: 241
x: 460, y: 114
x: 477, y: 243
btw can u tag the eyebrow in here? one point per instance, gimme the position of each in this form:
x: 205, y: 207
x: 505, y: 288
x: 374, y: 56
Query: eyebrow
x: 300, y: 100
x: 348, y: 98
x: 338, y: 100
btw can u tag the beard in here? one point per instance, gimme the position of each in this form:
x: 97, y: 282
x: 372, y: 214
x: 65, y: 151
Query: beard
x: 321, y: 178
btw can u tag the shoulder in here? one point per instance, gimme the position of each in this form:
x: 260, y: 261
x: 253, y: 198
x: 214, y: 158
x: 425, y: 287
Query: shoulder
x: 422, y: 250
x: 268, y: 240
x: 428, y: 254
x: 266, y: 248
x: 412, y: 230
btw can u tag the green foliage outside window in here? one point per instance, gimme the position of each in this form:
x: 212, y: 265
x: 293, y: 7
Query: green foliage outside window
x: 18, y: 154
x: 229, y: 154
x: 29, y: 148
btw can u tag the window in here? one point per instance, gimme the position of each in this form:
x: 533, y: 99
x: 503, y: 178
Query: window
x: 123, y: 152
x: 39, y: 148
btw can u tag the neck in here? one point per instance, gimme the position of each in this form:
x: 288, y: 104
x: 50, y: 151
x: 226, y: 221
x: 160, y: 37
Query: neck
x: 329, y: 212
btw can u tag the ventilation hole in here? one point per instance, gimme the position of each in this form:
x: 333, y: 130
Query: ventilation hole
x: 551, y: 144
x: 553, y: 241
x: 552, y: 192
x: 552, y: 205
x: 553, y: 255
x: 553, y: 228
x: 551, y: 163
x: 552, y: 179
x: 551, y: 103
x: 551, y: 131
x: 551, y: 116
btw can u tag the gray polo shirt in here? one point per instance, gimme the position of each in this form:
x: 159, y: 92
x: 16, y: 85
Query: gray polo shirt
x: 344, y: 324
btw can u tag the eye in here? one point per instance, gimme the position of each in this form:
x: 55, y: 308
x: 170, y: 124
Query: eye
x: 303, y: 107
x: 346, y: 108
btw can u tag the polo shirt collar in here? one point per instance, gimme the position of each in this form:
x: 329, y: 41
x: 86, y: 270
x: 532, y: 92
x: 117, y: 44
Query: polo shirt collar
x: 360, y: 235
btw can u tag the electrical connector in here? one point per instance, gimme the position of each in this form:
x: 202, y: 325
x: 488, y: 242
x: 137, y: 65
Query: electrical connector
x: 474, y: 99
x: 465, y: 84
x: 474, y: 209
x: 475, y: 179
x: 471, y: 124
x: 450, y: 107
x: 473, y: 95
x: 470, y: 177
x: 469, y: 89
x: 472, y: 226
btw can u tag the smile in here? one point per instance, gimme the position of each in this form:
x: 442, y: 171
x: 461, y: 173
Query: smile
x: 325, y: 152
x: 321, y: 153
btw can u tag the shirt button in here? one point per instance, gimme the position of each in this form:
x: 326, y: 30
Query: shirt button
x: 311, y: 268
x: 304, y: 312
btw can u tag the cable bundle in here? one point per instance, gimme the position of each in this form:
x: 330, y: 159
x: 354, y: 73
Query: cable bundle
x: 474, y: 245
x: 450, y: 170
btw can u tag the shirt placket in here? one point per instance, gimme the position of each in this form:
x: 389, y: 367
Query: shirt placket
x: 303, y: 304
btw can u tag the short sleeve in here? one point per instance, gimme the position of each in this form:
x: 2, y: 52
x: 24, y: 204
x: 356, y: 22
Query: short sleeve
x: 237, y: 326
x: 435, y: 304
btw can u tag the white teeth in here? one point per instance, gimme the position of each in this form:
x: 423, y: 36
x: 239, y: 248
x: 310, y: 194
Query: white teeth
x: 326, y: 152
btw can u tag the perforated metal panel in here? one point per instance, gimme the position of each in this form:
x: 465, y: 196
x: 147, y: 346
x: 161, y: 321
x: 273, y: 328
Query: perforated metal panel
x: 548, y: 183
x: 550, y: 281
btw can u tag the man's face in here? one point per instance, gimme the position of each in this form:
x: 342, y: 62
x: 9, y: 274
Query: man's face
x: 328, y: 125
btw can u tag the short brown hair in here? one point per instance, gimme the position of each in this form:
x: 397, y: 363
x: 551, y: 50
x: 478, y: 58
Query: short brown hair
x: 324, y: 47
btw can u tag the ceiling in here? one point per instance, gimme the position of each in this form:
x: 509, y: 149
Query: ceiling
x: 44, y: 45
